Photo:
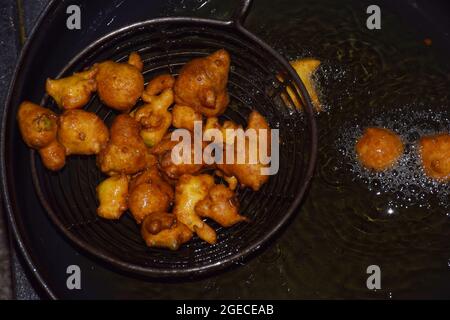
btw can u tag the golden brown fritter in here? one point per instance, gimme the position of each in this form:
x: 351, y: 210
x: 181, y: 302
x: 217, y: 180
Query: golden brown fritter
x: 151, y: 160
x: 173, y: 171
x: 248, y: 174
x: 232, y: 181
x: 184, y: 117
x: 147, y: 198
x: 135, y: 60
x: 73, y: 92
x: 157, y: 85
x: 120, y: 85
x: 37, y: 125
x: 171, y: 238
x: 435, y: 155
x: 53, y: 156
x: 39, y: 128
x: 188, y: 192
x: 213, y: 123
x: 149, y: 194
x: 152, y: 176
x: 202, y: 84
x: 126, y: 151
x: 305, y: 69
x: 82, y: 132
x: 154, y: 117
x: 166, y: 144
x: 137, y: 152
x: 112, y: 194
x: 158, y: 221
x: 221, y: 205
x: 378, y: 148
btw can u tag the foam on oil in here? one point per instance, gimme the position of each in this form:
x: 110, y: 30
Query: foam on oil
x: 406, y: 181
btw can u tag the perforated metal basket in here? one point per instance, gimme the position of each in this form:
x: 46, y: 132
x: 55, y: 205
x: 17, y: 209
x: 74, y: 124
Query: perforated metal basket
x: 165, y: 45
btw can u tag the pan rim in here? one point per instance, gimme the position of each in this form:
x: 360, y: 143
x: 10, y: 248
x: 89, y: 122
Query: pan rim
x: 163, y: 272
x: 29, y: 260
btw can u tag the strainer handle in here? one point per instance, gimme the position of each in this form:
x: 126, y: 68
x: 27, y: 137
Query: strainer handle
x: 241, y: 12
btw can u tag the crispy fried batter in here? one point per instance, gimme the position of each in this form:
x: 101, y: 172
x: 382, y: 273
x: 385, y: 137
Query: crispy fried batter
x: 173, y: 171
x: 249, y: 174
x: 151, y: 160
x: 152, y: 176
x: 112, y: 194
x: 126, y: 151
x: 37, y: 125
x: 147, y: 198
x: 158, y: 221
x: 435, y: 155
x: 154, y: 117
x: 221, y: 205
x: 157, y: 85
x: 202, y: 84
x: 135, y: 60
x: 53, y: 156
x: 171, y: 238
x: 120, y: 85
x: 183, y: 117
x: 138, y: 153
x: 149, y: 194
x: 378, y: 148
x: 188, y: 192
x: 213, y: 123
x: 166, y: 144
x: 305, y: 69
x: 231, y: 181
x: 82, y: 132
x: 73, y: 92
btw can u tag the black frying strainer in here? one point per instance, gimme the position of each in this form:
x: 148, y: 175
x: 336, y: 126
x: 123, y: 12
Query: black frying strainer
x: 165, y: 45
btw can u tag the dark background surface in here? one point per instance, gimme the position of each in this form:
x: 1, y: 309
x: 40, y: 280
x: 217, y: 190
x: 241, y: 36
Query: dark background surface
x: 16, y: 20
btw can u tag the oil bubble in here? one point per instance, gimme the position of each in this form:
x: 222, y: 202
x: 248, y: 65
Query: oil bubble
x: 406, y: 182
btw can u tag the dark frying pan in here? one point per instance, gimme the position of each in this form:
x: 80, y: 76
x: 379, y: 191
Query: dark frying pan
x: 291, y: 268
x: 166, y: 44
